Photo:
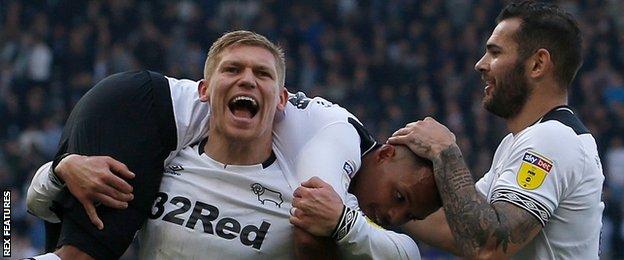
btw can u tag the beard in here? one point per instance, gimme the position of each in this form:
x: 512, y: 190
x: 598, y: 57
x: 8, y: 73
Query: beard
x: 510, y: 93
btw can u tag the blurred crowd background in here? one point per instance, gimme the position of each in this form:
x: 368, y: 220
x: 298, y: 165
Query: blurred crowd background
x: 390, y: 62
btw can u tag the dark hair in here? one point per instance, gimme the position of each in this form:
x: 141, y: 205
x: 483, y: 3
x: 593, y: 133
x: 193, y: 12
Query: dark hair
x: 404, y: 152
x: 549, y: 27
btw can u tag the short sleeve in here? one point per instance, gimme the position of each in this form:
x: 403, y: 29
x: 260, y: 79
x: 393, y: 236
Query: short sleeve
x: 484, y: 183
x: 534, y: 176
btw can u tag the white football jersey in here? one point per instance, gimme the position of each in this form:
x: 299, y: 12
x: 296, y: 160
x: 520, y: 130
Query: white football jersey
x: 311, y: 137
x: 191, y: 115
x: 552, y: 170
x: 209, y: 210
x: 206, y: 210
x: 303, y: 134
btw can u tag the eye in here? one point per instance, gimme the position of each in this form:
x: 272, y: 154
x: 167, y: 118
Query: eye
x: 399, y: 197
x: 266, y: 74
x: 231, y: 69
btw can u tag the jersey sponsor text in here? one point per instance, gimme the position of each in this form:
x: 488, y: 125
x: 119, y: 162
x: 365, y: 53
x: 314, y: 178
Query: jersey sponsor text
x: 226, y: 228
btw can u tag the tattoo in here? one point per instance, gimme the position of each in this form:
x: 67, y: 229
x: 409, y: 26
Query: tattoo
x: 475, y: 223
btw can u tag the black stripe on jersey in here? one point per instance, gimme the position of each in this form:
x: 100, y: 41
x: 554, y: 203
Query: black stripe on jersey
x: 265, y: 164
x: 202, y: 144
x: 367, y: 142
x: 565, y: 115
x: 525, y: 202
x: 269, y: 160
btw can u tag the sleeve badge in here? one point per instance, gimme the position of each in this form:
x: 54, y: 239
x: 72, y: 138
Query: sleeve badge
x: 533, y: 170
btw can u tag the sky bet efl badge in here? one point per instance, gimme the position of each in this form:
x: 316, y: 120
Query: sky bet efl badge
x: 533, y: 170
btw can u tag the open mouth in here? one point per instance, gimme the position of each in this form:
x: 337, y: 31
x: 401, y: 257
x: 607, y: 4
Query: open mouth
x: 489, y: 84
x: 243, y: 106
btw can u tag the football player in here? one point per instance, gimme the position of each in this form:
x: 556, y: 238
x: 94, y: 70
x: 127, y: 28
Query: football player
x: 237, y: 108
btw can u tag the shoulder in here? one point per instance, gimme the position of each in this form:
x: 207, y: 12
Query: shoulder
x: 307, y: 120
x: 304, y: 117
x: 182, y: 86
x: 316, y: 109
x: 560, y: 129
x: 560, y: 137
x: 550, y: 140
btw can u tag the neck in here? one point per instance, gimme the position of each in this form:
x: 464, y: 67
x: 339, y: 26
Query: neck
x: 537, y: 105
x: 228, y: 150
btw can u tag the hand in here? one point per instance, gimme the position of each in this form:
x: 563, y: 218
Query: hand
x: 426, y: 138
x: 316, y: 207
x: 91, y: 180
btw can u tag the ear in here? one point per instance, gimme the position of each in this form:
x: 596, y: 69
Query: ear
x: 540, y: 64
x: 283, y: 98
x: 385, y: 153
x: 202, y: 88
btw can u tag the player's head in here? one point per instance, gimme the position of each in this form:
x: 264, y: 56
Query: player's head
x: 532, y: 42
x: 394, y: 186
x: 244, y: 84
x: 249, y: 39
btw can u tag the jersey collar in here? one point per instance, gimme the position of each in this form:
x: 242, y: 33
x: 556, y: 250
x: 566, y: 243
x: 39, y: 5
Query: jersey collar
x: 265, y: 164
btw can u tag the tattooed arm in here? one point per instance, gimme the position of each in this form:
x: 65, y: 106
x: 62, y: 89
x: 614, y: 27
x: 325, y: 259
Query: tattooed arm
x: 480, y: 229
x: 433, y: 231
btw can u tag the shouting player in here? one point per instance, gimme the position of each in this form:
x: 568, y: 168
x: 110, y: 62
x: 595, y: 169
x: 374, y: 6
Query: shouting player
x: 242, y: 107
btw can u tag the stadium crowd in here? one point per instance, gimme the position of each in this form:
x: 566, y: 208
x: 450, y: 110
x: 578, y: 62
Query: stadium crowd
x: 389, y: 62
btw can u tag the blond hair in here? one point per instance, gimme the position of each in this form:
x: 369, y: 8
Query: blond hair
x: 249, y: 39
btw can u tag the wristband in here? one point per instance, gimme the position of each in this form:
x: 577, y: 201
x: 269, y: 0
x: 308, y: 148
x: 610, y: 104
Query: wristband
x: 55, y: 163
x: 345, y: 223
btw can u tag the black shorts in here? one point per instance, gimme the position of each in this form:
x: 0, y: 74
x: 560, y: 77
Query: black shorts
x: 128, y: 116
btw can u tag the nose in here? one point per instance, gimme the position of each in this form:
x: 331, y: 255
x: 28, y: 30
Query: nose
x: 248, y: 79
x: 481, y: 65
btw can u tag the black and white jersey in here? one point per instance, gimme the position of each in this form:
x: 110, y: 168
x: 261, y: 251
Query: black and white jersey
x: 209, y: 210
x: 312, y: 137
x: 191, y: 115
x: 552, y: 170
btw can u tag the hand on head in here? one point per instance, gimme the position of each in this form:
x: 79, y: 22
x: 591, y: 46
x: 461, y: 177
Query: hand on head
x: 426, y: 138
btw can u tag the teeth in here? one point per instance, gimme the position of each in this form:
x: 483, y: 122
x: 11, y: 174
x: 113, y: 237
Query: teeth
x: 239, y: 98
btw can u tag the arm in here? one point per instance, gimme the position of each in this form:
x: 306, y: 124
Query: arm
x: 308, y: 246
x: 367, y: 240
x: 434, y: 231
x: 326, y: 156
x: 89, y: 178
x: 481, y: 229
x: 318, y: 209
x: 42, y: 191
